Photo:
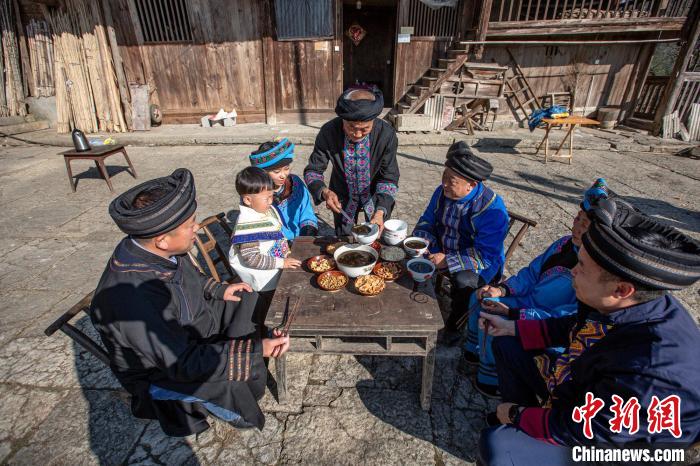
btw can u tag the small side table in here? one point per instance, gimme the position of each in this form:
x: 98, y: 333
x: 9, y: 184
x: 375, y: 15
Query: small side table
x: 571, y: 122
x: 98, y: 155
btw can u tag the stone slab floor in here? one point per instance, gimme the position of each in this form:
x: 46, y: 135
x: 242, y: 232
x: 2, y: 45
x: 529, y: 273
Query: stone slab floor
x: 58, y: 405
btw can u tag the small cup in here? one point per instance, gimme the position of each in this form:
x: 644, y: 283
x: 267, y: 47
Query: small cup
x: 412, y: 251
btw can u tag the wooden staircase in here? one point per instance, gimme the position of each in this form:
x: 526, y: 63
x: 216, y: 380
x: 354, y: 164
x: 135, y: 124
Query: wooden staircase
x: 431, y: 82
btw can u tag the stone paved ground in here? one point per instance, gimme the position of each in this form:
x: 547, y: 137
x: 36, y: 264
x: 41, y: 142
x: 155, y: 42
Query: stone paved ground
x: 58, y: 405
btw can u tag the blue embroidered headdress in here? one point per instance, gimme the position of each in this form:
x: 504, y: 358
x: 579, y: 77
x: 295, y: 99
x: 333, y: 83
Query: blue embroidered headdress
x: 598, y: 191
x: 283, y: 151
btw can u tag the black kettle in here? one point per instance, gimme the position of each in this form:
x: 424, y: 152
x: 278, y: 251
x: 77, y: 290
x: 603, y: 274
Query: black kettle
x: 80, y: 141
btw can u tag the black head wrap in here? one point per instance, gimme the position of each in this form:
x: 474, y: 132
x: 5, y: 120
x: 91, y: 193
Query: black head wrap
x: 462, y: 160
x: 162, y: 216
x: 616, y: 240
x: 359, y: 110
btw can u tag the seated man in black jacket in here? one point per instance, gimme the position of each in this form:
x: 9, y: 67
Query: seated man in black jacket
x: 630, y: 374
x: 182, y: 344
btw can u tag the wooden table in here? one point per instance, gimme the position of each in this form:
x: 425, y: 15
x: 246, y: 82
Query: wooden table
x: 571, y: 122
x: 398, y: 322
x: 98, y: 155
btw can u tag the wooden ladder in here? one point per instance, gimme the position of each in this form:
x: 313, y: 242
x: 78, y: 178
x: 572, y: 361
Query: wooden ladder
x: 519, y: 90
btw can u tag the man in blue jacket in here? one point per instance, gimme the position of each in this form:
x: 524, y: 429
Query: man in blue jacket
x: 465, y: 224
x: 630, y: 344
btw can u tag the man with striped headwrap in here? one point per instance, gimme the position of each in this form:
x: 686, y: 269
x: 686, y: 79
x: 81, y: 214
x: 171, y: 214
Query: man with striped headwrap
x: 182, y: 344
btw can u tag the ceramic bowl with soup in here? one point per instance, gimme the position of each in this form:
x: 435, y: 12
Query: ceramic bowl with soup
x: 415, y: 246
x: 420, y: 269
x: 395, y: 231
x: 365, y: 233
x: 355, y: 260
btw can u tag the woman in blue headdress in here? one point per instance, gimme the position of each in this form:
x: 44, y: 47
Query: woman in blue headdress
x: 292, y: 198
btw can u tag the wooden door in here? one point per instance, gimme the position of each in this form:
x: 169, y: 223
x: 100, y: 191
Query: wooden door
x: 370, y: 61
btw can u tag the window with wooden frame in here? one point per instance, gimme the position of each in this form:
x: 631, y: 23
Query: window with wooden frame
x: 163, y: 20
x: 304, y: 19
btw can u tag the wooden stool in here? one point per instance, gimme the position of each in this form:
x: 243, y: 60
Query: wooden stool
x: 98, y: 155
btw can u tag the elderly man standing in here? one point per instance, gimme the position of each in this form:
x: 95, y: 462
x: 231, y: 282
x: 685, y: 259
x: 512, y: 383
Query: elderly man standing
x: 629, y: 376
x: 362, y: 150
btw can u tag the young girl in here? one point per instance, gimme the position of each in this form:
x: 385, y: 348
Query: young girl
x: 291, y: 197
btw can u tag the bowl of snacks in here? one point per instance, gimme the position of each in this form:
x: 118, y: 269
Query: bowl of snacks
x: 333, y: 280
x: 369, y: 285
x: 389, y: 271
x: 420, y: 269
x: 395, y: 231
x: 415, y: 246
x: 392, y: 254
x: 330, y: 249
x: 320, y: 264
x: 355, y: 259
x: 365, y: 233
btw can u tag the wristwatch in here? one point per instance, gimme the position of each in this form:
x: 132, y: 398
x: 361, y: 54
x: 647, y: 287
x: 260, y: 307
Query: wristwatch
x: 514, y: 414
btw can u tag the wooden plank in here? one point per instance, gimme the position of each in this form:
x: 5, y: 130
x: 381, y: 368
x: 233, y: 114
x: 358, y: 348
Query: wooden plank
x: 690, y: 34
x: 124, y: 96
x: 483, y: 26
x: 577, y: 26
x: 268, y: 68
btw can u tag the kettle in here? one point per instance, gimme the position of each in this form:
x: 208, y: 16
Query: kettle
x: 80, y: 141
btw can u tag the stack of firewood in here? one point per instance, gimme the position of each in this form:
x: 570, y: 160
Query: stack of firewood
x: 87, y: 92
x: 11, y: 86
x: 40, y: 45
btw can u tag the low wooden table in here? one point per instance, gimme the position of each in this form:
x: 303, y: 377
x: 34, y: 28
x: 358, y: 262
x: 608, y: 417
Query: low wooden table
x: 571, y: 122
x: 398, y: 322
x: 98, y: 155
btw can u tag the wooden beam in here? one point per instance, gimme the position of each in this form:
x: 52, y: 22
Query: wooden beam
x: 117, y: 62
x: 689, y: 36
x: 483, y: 26
x: 465, y: 20
x: 269, y: 68
x: 23, y: 53
x: 583, y: 26
x: 568, y: 42
x: 337, y: 52
x: 637, y: 79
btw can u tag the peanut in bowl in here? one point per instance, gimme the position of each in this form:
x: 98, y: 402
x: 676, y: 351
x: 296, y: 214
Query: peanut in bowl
x: 333, y: 280
x: 369, y: 285
x: 320, y: 264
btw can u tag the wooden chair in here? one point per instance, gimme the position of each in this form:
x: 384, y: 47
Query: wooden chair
x: 206, y: 248
x: 442, y: 278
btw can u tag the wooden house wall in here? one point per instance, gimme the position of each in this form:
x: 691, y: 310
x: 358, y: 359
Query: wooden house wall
x: 305, y: 76
x: 221, y: 68
x: 550, y: 70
